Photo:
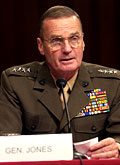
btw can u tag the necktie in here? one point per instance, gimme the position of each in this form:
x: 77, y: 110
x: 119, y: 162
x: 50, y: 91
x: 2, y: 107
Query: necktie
x: 66, y: 89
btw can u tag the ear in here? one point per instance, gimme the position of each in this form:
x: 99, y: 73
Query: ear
x: 83, y: 45
x: 40, y: 46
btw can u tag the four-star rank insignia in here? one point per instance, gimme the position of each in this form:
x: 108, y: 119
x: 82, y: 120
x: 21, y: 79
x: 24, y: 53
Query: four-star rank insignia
x: 21, y: 69
x: 98, y: 103
x: 110, y: 71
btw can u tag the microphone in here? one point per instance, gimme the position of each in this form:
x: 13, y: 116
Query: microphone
x: 61, y: 83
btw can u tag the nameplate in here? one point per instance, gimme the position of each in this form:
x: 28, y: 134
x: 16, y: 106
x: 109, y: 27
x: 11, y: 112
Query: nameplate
x: 36, y: 147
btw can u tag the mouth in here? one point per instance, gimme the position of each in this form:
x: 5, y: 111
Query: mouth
x: 66, y: 60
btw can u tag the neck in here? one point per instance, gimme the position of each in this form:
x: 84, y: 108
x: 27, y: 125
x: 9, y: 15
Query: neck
x: 67, y: 76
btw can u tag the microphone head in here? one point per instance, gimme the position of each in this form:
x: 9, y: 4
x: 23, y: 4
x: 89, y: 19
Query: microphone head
x: 61, y: 83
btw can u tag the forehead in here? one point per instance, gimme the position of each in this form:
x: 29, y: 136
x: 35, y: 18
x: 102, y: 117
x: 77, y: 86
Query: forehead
x: 61, y: 26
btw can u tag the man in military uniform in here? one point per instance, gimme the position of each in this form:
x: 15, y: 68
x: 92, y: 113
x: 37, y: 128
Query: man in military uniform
x: 30, y: 102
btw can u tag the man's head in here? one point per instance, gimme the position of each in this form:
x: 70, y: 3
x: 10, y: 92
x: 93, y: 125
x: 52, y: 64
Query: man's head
x: 57, y: 12
x: 61, y: 41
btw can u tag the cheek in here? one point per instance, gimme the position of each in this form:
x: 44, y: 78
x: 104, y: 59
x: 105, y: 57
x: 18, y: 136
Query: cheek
x: 47, y: 53
x: 51, y: 58
x: 46, y: 49
x: 79, y: 54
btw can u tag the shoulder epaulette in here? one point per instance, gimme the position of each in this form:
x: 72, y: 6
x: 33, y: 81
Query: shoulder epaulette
x: 102, y: 71
x: 29, y: 69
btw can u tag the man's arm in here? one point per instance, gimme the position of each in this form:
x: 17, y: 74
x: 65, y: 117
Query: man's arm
x: 109, y: 147
x: 10, y: 114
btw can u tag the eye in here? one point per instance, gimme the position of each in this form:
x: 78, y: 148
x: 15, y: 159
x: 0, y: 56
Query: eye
x: 56, y: 41
x: 74, y: 38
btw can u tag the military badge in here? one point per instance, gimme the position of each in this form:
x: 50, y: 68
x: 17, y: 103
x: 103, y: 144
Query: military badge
x: 20, y: 69
x: 98, y: 103
x: 110, y: 71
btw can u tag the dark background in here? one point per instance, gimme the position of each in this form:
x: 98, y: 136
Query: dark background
x: 19, y: 22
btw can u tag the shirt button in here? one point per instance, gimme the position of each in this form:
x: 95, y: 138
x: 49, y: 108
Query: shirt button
x: 33, y: 127
x: 93, y: 128
x: 42, y: 82
x: 90, y: 71
x: 85, y: 83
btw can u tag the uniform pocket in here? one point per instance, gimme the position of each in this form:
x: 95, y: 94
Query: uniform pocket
x: 88, y: 127
x: 35, y: 124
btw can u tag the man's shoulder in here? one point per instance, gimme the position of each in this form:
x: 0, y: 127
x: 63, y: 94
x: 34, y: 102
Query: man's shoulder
x: 28, y: 69
x: 96, y: 70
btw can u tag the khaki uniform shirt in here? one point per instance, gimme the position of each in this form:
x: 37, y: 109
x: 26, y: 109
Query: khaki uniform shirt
x: 30, y: 103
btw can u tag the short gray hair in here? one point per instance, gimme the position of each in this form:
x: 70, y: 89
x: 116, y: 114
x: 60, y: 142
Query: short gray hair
x: 57, y: 12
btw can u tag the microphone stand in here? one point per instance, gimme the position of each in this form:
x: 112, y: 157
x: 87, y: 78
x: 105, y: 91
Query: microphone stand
x: 66, y: 109
x: 61, y: 83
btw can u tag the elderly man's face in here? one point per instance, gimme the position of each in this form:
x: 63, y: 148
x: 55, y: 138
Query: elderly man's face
x: 62, y: 44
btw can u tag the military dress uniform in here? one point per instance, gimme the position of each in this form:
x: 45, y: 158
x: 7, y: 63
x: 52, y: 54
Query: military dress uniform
x: 30, y: 103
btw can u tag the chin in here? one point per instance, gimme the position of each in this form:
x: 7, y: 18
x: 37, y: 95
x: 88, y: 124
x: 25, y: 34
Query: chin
x: 69, y: 68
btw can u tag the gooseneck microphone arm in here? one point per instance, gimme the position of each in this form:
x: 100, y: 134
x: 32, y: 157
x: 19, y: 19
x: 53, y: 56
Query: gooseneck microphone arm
x: 61, y: 83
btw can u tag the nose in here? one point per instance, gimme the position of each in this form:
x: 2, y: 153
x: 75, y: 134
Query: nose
x: 66, y: 47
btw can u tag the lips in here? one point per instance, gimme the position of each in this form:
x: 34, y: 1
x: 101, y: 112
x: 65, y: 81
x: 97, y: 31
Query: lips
x: 69, y: 59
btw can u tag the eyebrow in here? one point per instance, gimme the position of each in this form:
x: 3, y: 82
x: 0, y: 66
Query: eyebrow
x: 58, y: 36
x: 76, y: 33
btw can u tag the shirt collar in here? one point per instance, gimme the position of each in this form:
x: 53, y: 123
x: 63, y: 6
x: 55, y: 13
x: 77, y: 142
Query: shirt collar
x: 70, y: 82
